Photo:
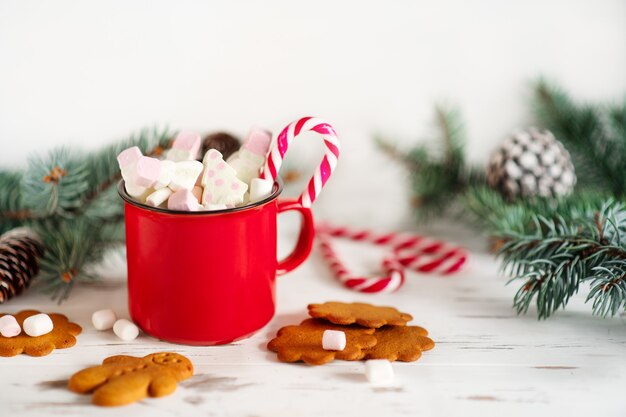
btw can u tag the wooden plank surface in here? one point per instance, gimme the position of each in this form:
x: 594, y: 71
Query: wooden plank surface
x: 487, y: 362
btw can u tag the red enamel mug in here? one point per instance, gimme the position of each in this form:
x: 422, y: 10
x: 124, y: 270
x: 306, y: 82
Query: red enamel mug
x: 207, y: 277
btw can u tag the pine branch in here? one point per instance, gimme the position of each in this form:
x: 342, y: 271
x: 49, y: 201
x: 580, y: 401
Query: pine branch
x: 437, y: 175
x: 595, y: 136
x: 554, y: 256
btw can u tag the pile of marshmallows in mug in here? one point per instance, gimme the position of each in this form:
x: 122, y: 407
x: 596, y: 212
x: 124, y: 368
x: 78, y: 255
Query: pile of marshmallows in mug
x: 180, y: 182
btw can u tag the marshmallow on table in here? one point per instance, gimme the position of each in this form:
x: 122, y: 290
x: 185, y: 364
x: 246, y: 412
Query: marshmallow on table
x: 260, y: 189
x: 185, y: 175
x: 158, y: 197
x: 183, y: 200
x: 186, y: 147
x: 220, y: 182
x: 333, y: 340
x: 167, y: 170
x: 38, y: 325
x: 379, y: 371
x: 103, y: 319
x: 9, y: 327
x: 125, y: 330
x: 251, y: 156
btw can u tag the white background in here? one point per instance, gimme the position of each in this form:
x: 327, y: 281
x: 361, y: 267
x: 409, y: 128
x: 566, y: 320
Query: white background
x: 87, y: 73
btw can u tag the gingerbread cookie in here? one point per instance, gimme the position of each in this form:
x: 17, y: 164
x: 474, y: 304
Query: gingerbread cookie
x: 400, y: 343
x: 360, y: 313
x: 304, y: 343
x: 62, y: 336
x: 121, y: 380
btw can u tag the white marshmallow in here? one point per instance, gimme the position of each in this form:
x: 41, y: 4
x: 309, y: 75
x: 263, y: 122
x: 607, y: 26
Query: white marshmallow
x: 167, y: 170
x: 9, y: 327
x: 125, y: 330
x: 185, y: 175
x: 136, y: 191
x: 379, y: 371
x: 220, y: 182
x: 212, y: 207
x: 103, y: 319
x: 333, y: 340
x: 260, y: 189
x: 38, y: 325
x: 178, y: 155
x: 158, y: 197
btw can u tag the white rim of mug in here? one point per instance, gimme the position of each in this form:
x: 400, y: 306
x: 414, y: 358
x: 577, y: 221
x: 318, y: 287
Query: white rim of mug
x: 277, y: 189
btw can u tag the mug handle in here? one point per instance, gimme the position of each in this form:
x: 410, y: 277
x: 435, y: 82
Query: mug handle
x: 305, y: 238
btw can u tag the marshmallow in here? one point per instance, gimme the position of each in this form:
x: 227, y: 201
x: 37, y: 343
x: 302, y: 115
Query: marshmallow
x: 103, y: 319
x: 183, y: 200
x: 147, y: 171
x: 9, y: 327
x: 138, y: 193
x: 188, y: 141
x: 167, y: 170
x: 213, y: 207
x: 185, y: 175
x: 179, y: 155
x: 379, y: 371
x: 158, y: 197
x: 220, y: 182
x: 38, y: 325
x: 251, y: 157
x: 128, y: 157
x: 260, y: 189
x: 333, y: 340
x: 125, y: 330
x: 127, y: 160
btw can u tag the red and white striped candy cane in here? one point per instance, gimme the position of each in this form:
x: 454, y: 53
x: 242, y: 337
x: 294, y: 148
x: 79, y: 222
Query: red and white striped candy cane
x: 323, y: 172
x: 415, y: 252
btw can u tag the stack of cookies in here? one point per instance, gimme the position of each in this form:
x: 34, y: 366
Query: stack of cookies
x: 371, y: 332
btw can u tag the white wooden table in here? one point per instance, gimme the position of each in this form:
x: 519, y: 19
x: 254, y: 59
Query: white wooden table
x: 487, y: 361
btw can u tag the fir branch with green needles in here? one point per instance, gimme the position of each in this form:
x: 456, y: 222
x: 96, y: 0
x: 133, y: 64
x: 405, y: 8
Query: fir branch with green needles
x: 437, y: 175
x: 553, y: 257
x: 70, y: 199
x: 552, y: 245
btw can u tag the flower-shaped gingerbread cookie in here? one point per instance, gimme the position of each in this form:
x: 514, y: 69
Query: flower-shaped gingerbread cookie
x: 304, y: 343
x: 400, y: 343
x: 62, y: 336
x: 123, y: 379
x: 360, y: 313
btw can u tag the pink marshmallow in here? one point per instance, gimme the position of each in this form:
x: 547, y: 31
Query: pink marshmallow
x: 9, y: 327
x: 188, y: 141
x: 258, y: 142
x: 128, y: 156
x: 183, y: 200
x: 147, y: 172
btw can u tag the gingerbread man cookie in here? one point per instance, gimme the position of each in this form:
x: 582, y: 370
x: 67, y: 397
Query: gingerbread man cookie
x: 62, y: 336
x: 360, y: 313
x: 304, y: 343
x: 121, y: 380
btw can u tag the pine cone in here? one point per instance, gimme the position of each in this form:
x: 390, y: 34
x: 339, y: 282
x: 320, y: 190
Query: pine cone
x: 531, y: 163
x: 20, y: 252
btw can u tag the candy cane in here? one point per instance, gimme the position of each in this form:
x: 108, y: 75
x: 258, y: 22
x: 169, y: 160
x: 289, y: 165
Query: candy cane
x: 325, y: 169
x: 413, y: 252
